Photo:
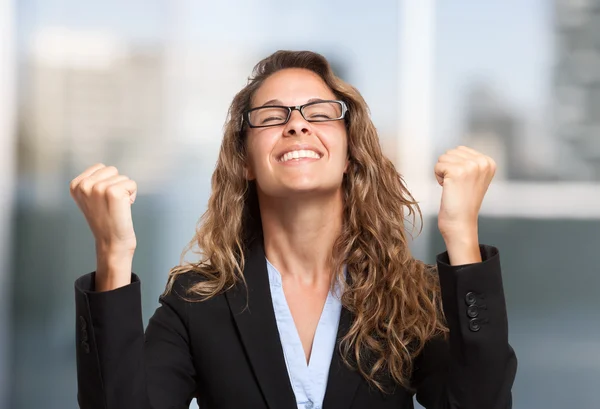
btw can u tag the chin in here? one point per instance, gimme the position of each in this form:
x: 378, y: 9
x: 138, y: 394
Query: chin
x: 307, y: 189
x: 298, y: 187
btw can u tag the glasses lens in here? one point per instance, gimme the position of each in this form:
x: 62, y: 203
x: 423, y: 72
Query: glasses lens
x: 323, y: 111
x: 268, y: 116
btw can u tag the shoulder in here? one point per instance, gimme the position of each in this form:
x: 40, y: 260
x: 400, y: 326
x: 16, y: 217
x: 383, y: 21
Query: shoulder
x: 194, y: 287
x: 189, y: 296
x: 183, y: 286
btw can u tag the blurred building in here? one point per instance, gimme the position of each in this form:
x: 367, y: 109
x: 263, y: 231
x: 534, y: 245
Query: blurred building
x: 577, y: 87
x: 85, y: 97
x: 89, y: 97
x: 518, y: 144
x: 492, y: 129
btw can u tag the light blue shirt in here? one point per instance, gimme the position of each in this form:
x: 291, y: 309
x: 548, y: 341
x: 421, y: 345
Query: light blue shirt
x: 308, y: 381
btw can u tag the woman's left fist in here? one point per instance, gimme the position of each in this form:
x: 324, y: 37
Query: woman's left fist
x: 464, y: 175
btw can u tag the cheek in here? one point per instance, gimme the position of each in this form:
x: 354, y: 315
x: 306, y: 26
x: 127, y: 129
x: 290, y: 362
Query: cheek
x: 251, y: 156
x: 341, y: 147
x: 338, y: 151
x: 346, y: 153
x: 259, y: 149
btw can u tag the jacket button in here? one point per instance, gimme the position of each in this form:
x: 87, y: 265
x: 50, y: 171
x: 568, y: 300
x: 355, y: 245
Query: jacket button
x: 474, y: 325
x: 82, y: 322
x: 470, y: 298
x: 472, y: 311
x: 86, y: 347
x: 84, y: 335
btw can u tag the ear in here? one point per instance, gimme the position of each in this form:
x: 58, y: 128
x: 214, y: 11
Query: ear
x: 347, y: 164
x: 248, y: 173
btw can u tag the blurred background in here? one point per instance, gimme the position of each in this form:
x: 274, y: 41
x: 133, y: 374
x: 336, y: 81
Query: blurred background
x: 145, y: 86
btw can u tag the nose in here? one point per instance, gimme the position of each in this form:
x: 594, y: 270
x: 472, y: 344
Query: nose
x: 297, y: 125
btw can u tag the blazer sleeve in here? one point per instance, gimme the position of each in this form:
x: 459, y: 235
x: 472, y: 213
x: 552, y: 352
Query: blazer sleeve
x: 474, y: 368
x: 120, y: 367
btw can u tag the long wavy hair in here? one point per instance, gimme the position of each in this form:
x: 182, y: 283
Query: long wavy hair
x: 394, y: 298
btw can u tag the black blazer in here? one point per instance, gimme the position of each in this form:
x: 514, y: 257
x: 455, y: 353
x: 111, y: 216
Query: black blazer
x: 230, y: 357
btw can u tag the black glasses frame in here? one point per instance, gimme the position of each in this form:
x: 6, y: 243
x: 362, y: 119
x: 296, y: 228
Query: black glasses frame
x: 300, y: 108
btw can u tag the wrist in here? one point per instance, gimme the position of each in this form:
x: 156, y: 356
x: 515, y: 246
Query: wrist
x: 113, y: 269
x: 463, y: 248
x: 112, y: 251
x: 458, y: 231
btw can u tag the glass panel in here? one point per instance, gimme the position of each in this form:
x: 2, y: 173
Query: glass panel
x: 520, y: 79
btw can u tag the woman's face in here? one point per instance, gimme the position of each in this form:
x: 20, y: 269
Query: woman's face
x: 275, y: 175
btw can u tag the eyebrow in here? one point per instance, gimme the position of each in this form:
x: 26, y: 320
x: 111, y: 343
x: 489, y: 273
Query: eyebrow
x: 278, y: 102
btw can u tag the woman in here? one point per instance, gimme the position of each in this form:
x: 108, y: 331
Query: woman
x: 306, y: 295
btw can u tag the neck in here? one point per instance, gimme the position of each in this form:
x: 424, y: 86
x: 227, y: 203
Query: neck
x: 299, y: 234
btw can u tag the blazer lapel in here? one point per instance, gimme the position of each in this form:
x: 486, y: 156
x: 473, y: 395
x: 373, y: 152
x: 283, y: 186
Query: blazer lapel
x: 342, y: 382
x: 255, y: 320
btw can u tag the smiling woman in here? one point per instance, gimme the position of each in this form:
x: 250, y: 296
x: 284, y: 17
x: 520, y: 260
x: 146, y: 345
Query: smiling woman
x: 278, y: 134
x: 306, y: 295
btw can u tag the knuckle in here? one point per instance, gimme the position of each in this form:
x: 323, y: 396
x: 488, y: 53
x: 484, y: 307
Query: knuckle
x: 86, y: 186
x: 460, y: 171
x: 482, y: 163
x: 491, y: 164
x: 112, y: 170
x: 113, y: 192
x: 97, y: 189
x: 446, y: 157
x: 471, y: 166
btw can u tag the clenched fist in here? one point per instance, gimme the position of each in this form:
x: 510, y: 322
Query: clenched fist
x: 105, y: 198
x: 465, y: 176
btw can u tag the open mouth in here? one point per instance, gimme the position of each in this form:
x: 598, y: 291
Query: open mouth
x: 299, y: 154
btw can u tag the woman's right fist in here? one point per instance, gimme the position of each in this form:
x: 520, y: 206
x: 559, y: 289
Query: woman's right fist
x: 105, y: 198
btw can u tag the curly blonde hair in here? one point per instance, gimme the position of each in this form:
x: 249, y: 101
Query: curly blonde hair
x: 394, y: 298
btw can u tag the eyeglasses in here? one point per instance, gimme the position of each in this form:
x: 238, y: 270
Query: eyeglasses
x: 274, y: 115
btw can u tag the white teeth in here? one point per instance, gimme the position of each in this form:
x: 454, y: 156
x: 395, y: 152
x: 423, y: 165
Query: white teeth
x: 299, y: 154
